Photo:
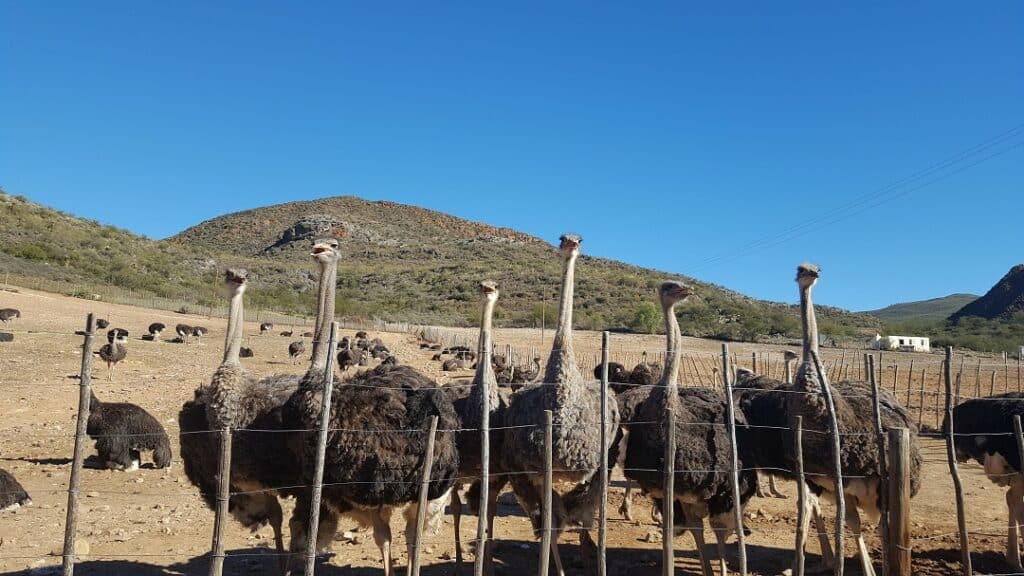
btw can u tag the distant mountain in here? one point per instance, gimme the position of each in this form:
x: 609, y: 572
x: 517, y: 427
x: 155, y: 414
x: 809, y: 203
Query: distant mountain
x: 1001, y: 302
x: 933, y: 310
x: 399, y: 263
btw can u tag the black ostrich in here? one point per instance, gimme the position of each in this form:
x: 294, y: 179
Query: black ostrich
x: 122, y: 431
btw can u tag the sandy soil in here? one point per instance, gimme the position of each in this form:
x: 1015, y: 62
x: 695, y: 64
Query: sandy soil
x: 153, y: 522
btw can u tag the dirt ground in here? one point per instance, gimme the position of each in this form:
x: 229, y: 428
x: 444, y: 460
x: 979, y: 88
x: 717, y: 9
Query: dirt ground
x: 152, y: 522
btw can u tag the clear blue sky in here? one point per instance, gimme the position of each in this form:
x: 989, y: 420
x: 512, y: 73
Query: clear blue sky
x: 667, y: 134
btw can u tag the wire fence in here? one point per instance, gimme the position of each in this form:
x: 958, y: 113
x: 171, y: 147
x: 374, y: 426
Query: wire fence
x: 950, y: 386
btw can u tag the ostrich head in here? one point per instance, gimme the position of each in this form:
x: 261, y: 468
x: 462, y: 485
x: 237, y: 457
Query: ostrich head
x: 807, y: 274
x: 235, y: 279
x: 326, y: 249
x: 117, y: 336
x: 489, y: 290
x: 673, y: 292
x: 569, y: 245
x: 789, y: 355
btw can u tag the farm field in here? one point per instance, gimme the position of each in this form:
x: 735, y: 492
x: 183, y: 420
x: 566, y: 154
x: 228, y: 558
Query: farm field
x: 153, y: 522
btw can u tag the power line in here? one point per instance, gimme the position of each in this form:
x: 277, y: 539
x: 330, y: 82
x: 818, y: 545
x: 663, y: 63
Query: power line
x: 941, y: 170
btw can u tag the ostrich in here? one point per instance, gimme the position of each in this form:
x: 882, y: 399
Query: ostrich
x: 199, y: 332
x: 115, y: 350
x: 576, y: 412
x: 266, y: 327
x: 702, y: 488
x: 348, y: 357
x: 12, y: 495
x: 307, y: 334
x: 468, y: 406
x: 122, y: 431
x: 288, y: 333
x: 452, y: 364
x: 102, y: 323
x: 236, y: 399
x: 244, y: 352
x: 983, y: 429
x: 526, y: 375
x: 855, y: 415
x: 183, y: 331
x: 788, y: 356
x: 763, y: 403
x: 372, y: 465
x: 154, y: 331
x: 296, y: 349
x: 8, y: 314
x: 361, y: 335
x: 618, y: 379
x: 643, y: 374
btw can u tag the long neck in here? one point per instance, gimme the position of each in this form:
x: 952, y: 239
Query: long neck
x: 324, y: 315
x: 486, y: 321
x: 233, y: 340
x: 809, y: 322
x: 562, y: 361
x: 669, y: 378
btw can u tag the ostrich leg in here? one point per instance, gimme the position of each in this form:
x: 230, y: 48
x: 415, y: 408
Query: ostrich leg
x: 773, y: 487
x: 382, y: 536
x: 457, y: 519
x: 853, y: 521
x: 626, y: 509
x: 695, y: 524
x: 1014, y: 512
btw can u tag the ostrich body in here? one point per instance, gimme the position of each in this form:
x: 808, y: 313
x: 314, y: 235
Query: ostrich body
x: 102, y: 323
x: 266, y: 327
x: 154, y: 330
x: 618, y: 379
x: 983, y: 429
x: 854, y: 412
x: 12, y: 494
x: 702, y: 487
x: 115, y: 350
x: 261, y: 463
x: 244, y: 352
x: 8, y: 314
x: 762, y: 400
x: 199, y: 332
x: 183, y: 331
x: 122, y: 431
x: 468, y: 406
x: 372, y: 465
x: 576, y: 444
x: 296, y: 349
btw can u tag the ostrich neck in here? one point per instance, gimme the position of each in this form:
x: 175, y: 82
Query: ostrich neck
x: 484, y: 382
x: 324, y: 315
x: 233, y: 340
x: 486, y: 322
x: 809, y: 322
x: 670, y: 377
x: 562, y: 362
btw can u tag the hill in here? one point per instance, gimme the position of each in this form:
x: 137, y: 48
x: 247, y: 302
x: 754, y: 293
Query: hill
x: 400, y: 263
x: 931, y: 310
x: 1001, y: 302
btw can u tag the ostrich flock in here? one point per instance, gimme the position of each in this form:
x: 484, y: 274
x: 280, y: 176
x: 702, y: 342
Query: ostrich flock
x: 379, y: 417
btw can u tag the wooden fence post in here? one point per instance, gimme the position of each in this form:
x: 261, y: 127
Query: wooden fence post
x: 837, y: 464
x: 898, y: 538
x: 602, y: 518
x: 801, y: 498
x: 668, y: 487
x: 546, y: 541
x: 482, y: 537
x: 958, y: 489
x: 421, y: 510
x: 920, y: 413
x: 730, y: 422
x: 883, y: 462
x: 1014, y: 524
x: 223, y: 496
x: 74, y: 483
x: 321, y: 450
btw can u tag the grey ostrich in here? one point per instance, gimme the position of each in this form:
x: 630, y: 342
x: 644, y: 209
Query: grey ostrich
x: 788, y: 356
x: 115, y: 350
x: 154, y: 331
x: 296, y: 349
x: 266, y: 327
x: 855, y: 415
x: 261, y: 463
x: 702, y: 487
x: 184, y: 331
x: 199, y: 332
x: 983, y: 429
x: 372, y: 463
x: 576, y: 414
x: 468, y: 404
x: 122, y: 431
x: 12, y: 494
x: 8, y: 314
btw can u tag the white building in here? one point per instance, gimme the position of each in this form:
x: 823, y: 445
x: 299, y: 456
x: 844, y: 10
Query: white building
x: 901, y: 343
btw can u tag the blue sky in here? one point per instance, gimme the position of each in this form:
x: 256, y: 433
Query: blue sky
x: 681, y: 136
